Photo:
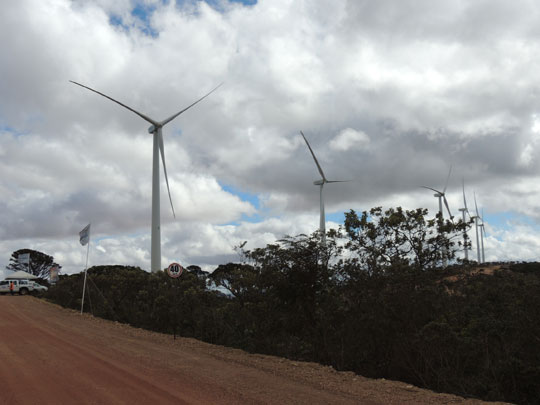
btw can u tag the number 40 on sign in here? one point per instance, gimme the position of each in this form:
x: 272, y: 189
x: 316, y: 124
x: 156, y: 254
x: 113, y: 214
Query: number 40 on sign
x: 175, y: 270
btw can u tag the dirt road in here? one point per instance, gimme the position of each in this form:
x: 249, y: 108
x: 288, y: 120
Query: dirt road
x: 51, y: 355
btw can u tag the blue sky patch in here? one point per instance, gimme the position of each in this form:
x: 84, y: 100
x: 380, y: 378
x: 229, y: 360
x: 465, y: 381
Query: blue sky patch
x: 245, y: 196
x: 117, y: 22
x: 143, y: 13
x: 244, y: 2
x: 338, y: 217
x: 11, y: 130
x: 252, y: 198
x: 507, y: 220
x: 217, y: 3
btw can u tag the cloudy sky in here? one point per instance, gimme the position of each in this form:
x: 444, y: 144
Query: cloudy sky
x: 389, y: 93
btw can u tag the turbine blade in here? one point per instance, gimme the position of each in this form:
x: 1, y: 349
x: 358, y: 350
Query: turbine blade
x: 432, y: 189
x: 447, y: 207
x: 314, y: 158
x: 162, y: 151
x: 464, y: 199
x: 144, y: 117
x: 447, y: 178
x: 475, y: 205
x: 164, y: 122
x: 338, y: 181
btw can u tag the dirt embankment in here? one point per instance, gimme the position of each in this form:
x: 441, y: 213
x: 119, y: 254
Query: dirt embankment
x: 51, y: 355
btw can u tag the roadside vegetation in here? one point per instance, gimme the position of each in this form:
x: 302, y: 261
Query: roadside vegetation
x: 375, y: 299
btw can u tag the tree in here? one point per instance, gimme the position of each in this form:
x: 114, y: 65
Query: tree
x: 200, y: 273
x: 396, y: 238
x: 239, y: 279
x: 40, y: 263
x: 298, y: 280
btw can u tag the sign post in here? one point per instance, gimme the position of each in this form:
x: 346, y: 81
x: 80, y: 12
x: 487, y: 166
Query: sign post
x: 175, y: 270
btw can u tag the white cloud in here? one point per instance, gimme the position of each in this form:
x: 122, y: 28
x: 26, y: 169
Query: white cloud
x: 434, y: 84
x: 518, y: 243
x: 350, y: 139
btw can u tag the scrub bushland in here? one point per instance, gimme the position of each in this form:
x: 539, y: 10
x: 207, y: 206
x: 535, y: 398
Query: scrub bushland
x: 374, y: 299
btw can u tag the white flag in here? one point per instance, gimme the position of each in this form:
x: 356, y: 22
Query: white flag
x: 24, y: 258
x: 84, y: 235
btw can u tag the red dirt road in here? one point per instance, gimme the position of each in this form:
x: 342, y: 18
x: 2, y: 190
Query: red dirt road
x: 51, y: 355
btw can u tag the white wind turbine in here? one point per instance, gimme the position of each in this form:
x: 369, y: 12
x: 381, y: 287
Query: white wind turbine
x: 321, y: 184
x: 464, y: 211
x: 156, y: 130
x: 482, y: 234
x: 479, y: 246
x: 441, y: 195
x: 476, y: 228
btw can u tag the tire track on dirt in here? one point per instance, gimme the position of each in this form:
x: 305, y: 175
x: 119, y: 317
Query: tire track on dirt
x: 126, y: 385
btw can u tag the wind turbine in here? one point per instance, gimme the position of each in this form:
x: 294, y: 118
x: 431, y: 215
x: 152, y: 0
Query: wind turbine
x: 479, y: 246
x: 156, y: 130
x: 441, y: 195
x: 463, y: 211
x: 321, y: 183
x: 482, y: 234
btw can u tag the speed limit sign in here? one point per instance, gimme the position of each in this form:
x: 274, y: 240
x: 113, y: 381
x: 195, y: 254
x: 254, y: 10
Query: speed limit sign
x: 175, y: 270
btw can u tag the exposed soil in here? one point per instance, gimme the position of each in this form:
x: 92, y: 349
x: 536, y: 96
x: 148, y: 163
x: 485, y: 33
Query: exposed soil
x: 52, y: 355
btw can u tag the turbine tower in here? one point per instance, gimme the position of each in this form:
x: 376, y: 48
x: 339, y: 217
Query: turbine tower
x: 482, y: 232
x: 441, y: 195
x: 321, y: 183
x: 464, y: 211
x: 156, y: 130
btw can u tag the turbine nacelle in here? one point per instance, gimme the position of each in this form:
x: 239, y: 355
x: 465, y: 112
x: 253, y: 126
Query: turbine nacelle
x: 152, y: 129
x: 319, y: 182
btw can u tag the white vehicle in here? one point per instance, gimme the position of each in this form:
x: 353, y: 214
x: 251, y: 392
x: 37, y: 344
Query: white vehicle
x: 39, y: 287
x: 22, y: 287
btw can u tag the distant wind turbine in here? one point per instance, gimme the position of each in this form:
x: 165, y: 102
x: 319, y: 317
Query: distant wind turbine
x: 479, y: 230
x: 482, y: 234
x: 441, y: 195
x: 464, y: 211
x: 321, y: 184
x: 156, y: 130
